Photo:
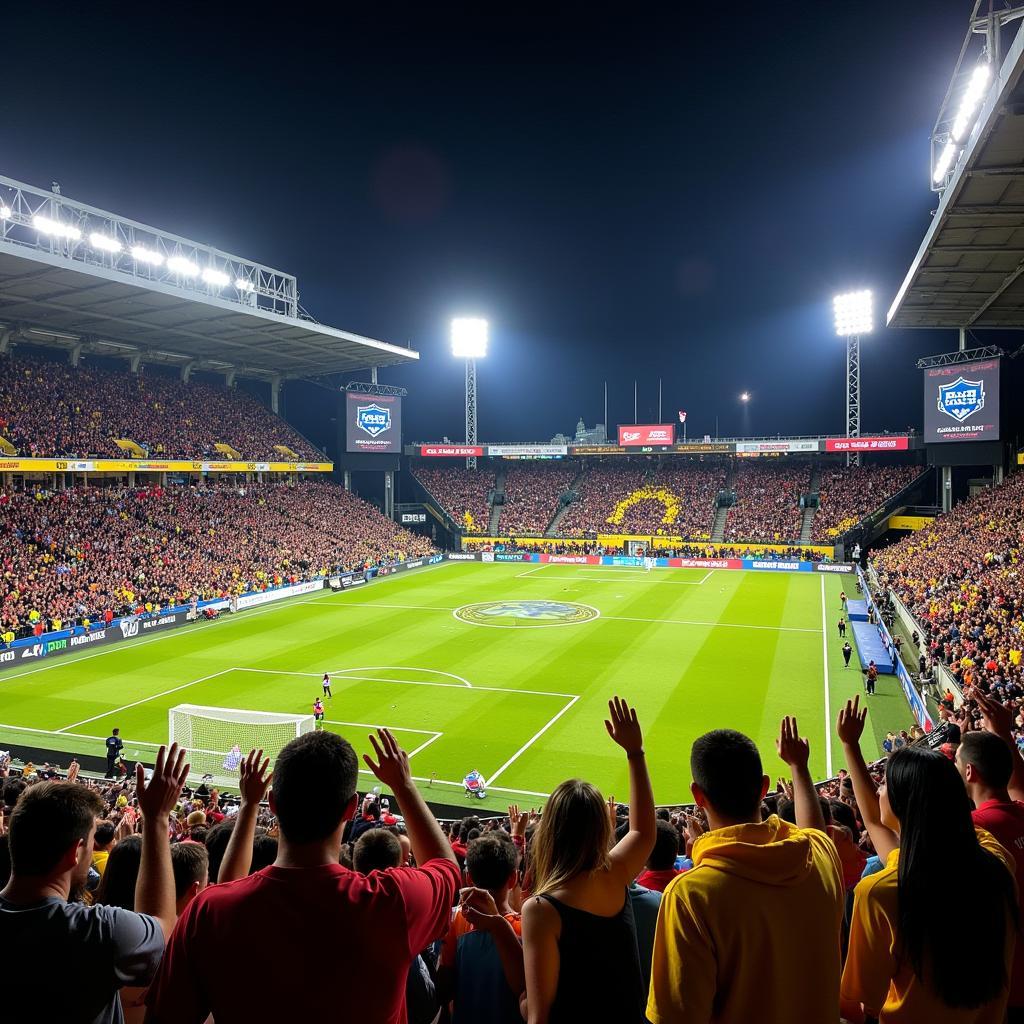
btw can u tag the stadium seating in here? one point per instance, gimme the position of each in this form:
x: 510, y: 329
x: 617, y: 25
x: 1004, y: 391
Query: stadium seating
x: 849, y: 493
x: 532, y: 491
x: 767, y: 507
x: 603, y: 486
x: 460, y: 492
x: 52, y: 409
x: 71, y: 554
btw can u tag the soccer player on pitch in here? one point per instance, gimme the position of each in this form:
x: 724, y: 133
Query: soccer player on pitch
x: 327, y: 685
x: 318, y: 713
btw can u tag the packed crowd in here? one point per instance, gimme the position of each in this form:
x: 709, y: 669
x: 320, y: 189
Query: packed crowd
x: 52, y: 409
x: 767, y: 507
x: 603, y: 486
x: 849, y: 493
x: 961, y: 579
x: 72, y: 555
x: 759, y: 903
x: 461, y: 492
x: 532, y: 491
x: 687, y: 492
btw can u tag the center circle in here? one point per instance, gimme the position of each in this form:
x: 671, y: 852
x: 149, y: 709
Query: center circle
x: 520, y: 614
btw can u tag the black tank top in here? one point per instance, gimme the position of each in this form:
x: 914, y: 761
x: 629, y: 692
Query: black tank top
x: 599, y: 975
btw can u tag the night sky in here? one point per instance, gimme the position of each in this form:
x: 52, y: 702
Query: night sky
x: 623, y: 191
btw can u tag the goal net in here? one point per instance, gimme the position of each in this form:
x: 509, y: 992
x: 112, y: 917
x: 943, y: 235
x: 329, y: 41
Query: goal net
x: 218, y: 738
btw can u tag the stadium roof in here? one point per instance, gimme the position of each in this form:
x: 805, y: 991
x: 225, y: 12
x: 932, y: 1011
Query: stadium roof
x: 969, y: 270
x: 71, y: 274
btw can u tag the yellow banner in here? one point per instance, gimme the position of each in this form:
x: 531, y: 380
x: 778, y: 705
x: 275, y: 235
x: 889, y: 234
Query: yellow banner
x: 671, y: 542
x: 910, y: 522
x: 541, y: 541
x: 156, y: 466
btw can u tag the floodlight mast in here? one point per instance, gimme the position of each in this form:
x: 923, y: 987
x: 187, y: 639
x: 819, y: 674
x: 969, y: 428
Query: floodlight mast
x: 853, y: 313
x: 469, y: 342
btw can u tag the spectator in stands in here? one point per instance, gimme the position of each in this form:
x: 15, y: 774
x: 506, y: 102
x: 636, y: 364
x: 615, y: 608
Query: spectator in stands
x: 481, y: 969
x: 848, y: 494
x: 661, y: 864
x: 312, y: 903
x: 920, y: 823
x: 532, y: 492
x: 460, y: 492
x: 767, y: 507
x: 724, y: 949
x: 103, y: 948
x: 103, y: 843
x: 578, y: 924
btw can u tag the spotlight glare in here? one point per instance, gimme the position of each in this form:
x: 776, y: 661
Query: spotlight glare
x: 972, y: 98
x: 211, y: 275
x: 5, y: 212
x: 469, y: 337
x: 243, y: 284
x: 853, y: 313
x: 48, y: 226
x: 182, y: 265
x: 104, y: 242
x: 150, y: 256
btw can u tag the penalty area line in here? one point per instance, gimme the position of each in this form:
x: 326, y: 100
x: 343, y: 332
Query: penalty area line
x: 533, y: 739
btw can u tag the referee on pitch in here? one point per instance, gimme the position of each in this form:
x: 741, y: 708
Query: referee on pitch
x: 114, y: 747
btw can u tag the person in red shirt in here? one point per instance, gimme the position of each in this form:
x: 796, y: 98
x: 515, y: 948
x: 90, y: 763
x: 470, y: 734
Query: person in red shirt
x: 271, y: 928
x: 993, y: 772
x: 661, y: 864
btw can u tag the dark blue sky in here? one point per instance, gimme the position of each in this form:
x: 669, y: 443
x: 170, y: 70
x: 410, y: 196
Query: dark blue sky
x: 658, y: 190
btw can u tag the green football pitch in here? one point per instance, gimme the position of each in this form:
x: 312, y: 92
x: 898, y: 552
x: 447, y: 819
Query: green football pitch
x: 503, y: 668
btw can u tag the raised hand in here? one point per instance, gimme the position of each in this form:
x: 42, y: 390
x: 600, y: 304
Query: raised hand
x: 253, y: 778
x: 158, y: 797
x: 792, y: 748
x: 850, y: 725
x: 478, y: 908
x: 517, y: 820
x: 392, y: 764
x: 623, y: 726
x: 995, y: 717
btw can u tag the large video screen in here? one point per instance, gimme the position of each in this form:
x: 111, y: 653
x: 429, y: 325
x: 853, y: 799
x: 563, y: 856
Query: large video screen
x: 647, y: 433
x: 373, y: 423
x: 961, y: 402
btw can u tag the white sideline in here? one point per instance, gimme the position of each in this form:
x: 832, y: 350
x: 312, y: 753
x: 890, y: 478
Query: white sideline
x: 828, y: 698
x: 377, y: 725
x: 533, y: 739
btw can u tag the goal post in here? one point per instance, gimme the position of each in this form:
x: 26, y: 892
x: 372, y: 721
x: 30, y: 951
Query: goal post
x: 217, y: 738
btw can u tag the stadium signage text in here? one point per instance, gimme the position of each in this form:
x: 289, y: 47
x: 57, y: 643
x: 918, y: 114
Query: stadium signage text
x: 451, y: 451
x: 867, y: 444
x: 647, y: 433
x: 150, y: 466
x: 527, y: 449
x: 758, y: 447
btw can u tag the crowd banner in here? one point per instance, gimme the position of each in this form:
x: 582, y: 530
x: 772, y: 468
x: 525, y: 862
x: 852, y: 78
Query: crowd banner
x: 867, y: 444
x: 772, y: 447
x: 450, y: 451
x: 16, y: 465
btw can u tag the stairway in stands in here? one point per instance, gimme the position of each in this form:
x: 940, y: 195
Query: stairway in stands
x: 718, y: 529
x: 807, y: 522
x: 496, y: 507
x: 556, y: 519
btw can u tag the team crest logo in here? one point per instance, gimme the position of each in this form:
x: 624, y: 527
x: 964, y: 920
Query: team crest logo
x: 517, y: 614
x: 373, y: 419
x: 962, y: 399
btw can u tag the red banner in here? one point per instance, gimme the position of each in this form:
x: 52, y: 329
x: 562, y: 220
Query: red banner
x: 452, y: 451
x: 571, y: 559
x: 647, y: 433
x: 867, y: 444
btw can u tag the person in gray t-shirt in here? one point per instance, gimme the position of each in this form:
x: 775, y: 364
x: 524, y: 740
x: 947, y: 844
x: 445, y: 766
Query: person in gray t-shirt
x: 90, y: 952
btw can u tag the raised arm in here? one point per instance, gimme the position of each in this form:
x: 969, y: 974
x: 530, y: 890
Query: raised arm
x: 630, y: 853
x: 154, y: 890
x: 253, y: 783
x: 998, y: 720
x: 795, y: 751
x: 849, y: 728
x: 392, y: 768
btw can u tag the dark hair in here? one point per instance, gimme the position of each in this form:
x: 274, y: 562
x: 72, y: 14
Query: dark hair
x: 929, y: 799
x: 989, y: 756
x: 375, y: 850
x: 725, y: 764
x: 371, y: 809
x: 47, y: 820
x: 491, y: 860
x: 842, y: 814
x: 117, y: 887
x: 264, y: 853
x: 104, y: 833
x: 666, y: 847
x: 5, y: 861
x: 787, y: 809
x: 13, y: 788
x: 662, y: 814
x: 190, y: 863
x: 217, y: 844
x: 467, y: 825
x: 314, y: 782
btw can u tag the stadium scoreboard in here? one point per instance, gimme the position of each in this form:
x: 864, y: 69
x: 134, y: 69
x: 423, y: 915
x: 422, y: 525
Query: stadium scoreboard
x: 373, y: 423
x: 961, y: 402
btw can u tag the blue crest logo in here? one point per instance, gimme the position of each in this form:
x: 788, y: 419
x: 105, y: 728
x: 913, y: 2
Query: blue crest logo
x: 373, y: 419
x: 962, y: 399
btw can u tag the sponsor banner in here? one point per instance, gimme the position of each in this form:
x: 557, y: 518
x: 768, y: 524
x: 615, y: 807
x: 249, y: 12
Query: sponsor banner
x: 961, y: 402
x: 841, y: 567
x: 771, y: 566
x: 570, y: 559
x: 434, y: 559
x: 277, y: 594
x: 867, y: 444
x: 758, y: 447
x: 647, y: 434
x: 84, y: 639
x: 356, y: 579
x: 414, y: 517
x: 373, y: 423
x: 462, y: 556
x: 486, y: 556
x: 597, y: 449
x: 705, y: 448
x: 450, y: 451
x: 910, y: 522
x: 7, y: 656
x: 705, y: 563
x: 527, y: 449
x: 502, y: 557
x: 627, y: 560
x: 156, y: 466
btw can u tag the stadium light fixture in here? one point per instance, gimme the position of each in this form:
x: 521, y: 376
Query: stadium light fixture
x: 150, y: 256
x: 104, y: 242
x: 744, y: 397
x: 243, y: 284
x: 853, y: 313
x: 49, y: 226
x: 211, y: 275
x: 5, y: 212
x: 469, y: 337
x: 182, y: 265
x: 971, y: 100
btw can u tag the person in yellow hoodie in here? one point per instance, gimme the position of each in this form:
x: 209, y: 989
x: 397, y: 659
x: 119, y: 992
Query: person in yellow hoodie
x: 899, y: 967
x: 751, y: 932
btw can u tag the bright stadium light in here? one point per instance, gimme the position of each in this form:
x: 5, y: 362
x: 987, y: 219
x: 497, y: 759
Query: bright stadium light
x: 945, y: 161
x: 853, y: 313
x: 182, y: 265
x: 150, y: 256
x: 48, y: 226
x: 104, y: 242
x: 469, y: 337
x: 211, y: 275
x: 972, y: 98
x: 744, y: 397
x: 5, y: 212
x: 243, y: 284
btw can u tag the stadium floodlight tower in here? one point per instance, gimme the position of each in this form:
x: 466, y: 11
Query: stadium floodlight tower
x: 853, y: 312
x: 469, y: 342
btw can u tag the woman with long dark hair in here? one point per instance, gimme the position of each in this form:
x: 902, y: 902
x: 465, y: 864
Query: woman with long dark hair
x: 904, y: 963
x: 579, y: 940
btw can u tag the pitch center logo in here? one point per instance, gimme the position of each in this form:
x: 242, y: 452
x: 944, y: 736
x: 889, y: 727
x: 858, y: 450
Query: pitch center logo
x: 373, y: 419
x: 525, y: 614
x: 962, y: 399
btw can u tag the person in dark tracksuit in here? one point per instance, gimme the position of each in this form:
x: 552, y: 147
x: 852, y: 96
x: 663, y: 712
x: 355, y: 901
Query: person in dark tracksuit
x: 842, y: 627
x: 114, y: 748
x: 872, y: 677
x: 847, y: 651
